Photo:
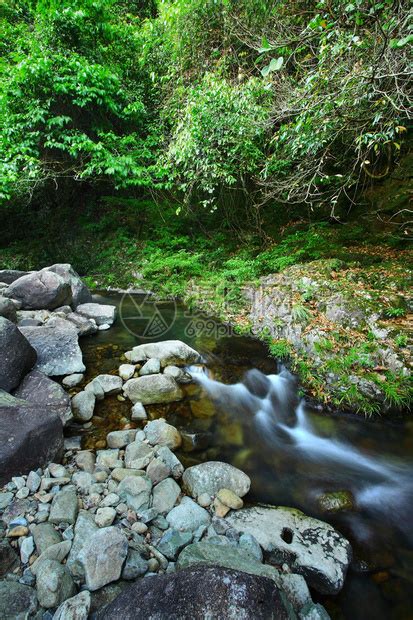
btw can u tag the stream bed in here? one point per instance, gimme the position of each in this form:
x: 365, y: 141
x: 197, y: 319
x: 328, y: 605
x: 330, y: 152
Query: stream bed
x: 316, y: 452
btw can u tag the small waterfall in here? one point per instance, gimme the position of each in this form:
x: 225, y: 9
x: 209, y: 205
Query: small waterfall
x: 272, y: 404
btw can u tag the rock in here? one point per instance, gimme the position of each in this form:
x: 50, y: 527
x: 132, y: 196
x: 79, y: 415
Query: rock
x: 230, y: 499
x: 138, y: 412
x: 169, y: 352
x: 204, y: 500
x: 9, y: 560
x: 17, y: 531
x: 336, y: 501
x: 85, y: 460
x: 75, y: 608
x: 83, y: 481
x: 5, y: 499
x: 108, y: 458
x: 102, y: 557
x: 83, y: 326
x: 136, y: 492
x: 171, y: 461
x: 153, y: 389
x: 250, y: 545
x: 105, y: 516
x: 165, y: 495
x: 33, y: 481
x: 111, y: 384
x: 135, y: 565
x: 151, y: 367
x: 57, y: 348
x: 8, y: 309
x: 120, y: 439
x: 95, y: 388
x: 119, y: 473
x: 10, y: 275
x: 310, y: 547
x: 101, y: 314
x: 17, y: 355
x: 64, y: 506
x: 40, y: 391
x: 41, y: 289
x: 212, y: 476
x: 160, y: 433
x: 200, y: 593
x: 45, y: 536
x: 17, y: 601
x: 83, y: 405
x: 80, y: 292
x: 111, y: 499
x: 57, y: 553
x: 157, y: 471
x: 126, y: 371
x: 84, y: 529
x: 138, y: 455
x: 30, y: 437
x: 178, y: 374
x: 54, y: 584
x: 57, y: 471
x: 26, y: 549
x: 72, y: 381
x: 188, y: 516
x: 172, y: 542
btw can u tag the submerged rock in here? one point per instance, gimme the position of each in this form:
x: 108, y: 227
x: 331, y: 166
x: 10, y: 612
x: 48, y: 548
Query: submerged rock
x: 200, y: 593
x: 310, y: 547
x: 17, y: 355
x: 336, y: 501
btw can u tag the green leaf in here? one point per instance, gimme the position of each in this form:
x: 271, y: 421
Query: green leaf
x: 275, y: 65
x: 265, y: 45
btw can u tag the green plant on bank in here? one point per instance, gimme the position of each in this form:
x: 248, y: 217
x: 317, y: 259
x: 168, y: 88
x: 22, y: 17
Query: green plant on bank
x: 393, y: 313
x: 401, y: 340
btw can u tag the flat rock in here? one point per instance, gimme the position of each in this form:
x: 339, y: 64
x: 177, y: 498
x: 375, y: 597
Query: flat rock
x: 138, y: 455
x: 30, y: 437
x: 153, y: 389
x: 111, y: 384
x: 64, y: 506
x: 40, y: 391
x: 212, y: 476
x: 200, y: 593
x: 57, y: 348
x: 102, y: 314
x: 310, y: 547
x: 102, y: 557
x: 188, y: 516
x: 17, y: 355
x: 120, y: 439
x: 172, y: 542
x: 169, y: 352
x: 41, y: 289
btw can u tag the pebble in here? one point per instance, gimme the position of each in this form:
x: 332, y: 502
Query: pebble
x: 105, y: 516
x: 204, y: 500
x: 23, y: 493
x: 19, y: 482
x: 139, y: 528
x: 110, y: 500
x: 33, y: 481
x: 5, y: 499
x: 57, y: 471
x: 19, y: 530
x: 230, y: 499
x: 26, y: 549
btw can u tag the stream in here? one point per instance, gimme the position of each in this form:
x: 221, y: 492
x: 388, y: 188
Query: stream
x: 244, y: 409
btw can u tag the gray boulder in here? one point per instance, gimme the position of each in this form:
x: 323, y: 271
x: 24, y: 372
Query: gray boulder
x: 153, y: 389
x: 75, y: 608
x: 30, y: 437
x: 41, y: 289
x: 54, y: 584
x: 310, y: 547
x: 103, y: 556
x: 83, y: 405
x: 169, y: 352
x: 58, y: 351
x: 8, y: 309
x: 41, y: 391
x: 17, y: 356
x: 84, y: 326
x: 10, y: 275
x: 200, y: 593
x: 17, y: 601
x: 80, y: 292
x: 102, y: 314
x: 212, y: 476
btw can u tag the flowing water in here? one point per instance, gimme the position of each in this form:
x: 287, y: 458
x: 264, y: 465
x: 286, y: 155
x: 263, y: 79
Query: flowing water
x: 243, y: 409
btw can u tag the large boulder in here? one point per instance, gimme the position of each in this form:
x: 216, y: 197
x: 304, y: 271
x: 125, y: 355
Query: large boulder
x: 17, y: 356
x: 80, y: 292
x: 153, y: 389
x: 102, y: 314
x: 168, y: 352
x: 200, y: 593
x: 310, y: 547
x: 31, y: 436
x: 41, y: 289
x: 58, y: 351
x: 41, y: 391
x: 212, y: 476
x: 8, y: 309
x: 10, y: 275
x: 103, y: 556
